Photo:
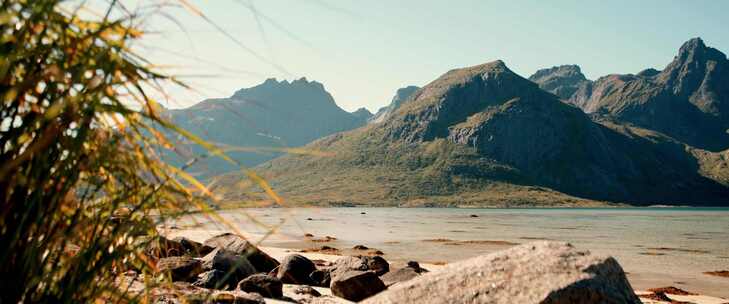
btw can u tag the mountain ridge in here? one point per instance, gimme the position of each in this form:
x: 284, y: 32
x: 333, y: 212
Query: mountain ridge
x: 485, y: 136
x: 259, y: 123
x: 687, y: 100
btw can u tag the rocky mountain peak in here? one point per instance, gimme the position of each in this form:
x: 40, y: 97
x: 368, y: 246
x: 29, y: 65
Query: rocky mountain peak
x: 562, y: 81
x: 694, y: 58
x: 400, y: 97
x: 701, y: 74
x: 458, y: 95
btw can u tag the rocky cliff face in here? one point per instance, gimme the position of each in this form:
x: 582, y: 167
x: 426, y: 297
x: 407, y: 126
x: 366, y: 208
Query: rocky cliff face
x: 562, y: 81
x: 479, y: 126
x: 688, y: 100
x: 256, y: 123
x: 401, y: 96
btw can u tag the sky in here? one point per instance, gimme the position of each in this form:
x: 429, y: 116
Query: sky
x: 363, y: 51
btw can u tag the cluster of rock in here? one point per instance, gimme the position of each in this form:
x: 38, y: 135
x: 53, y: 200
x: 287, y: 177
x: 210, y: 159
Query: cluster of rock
x: 242, y: 273
x: 229, y: 269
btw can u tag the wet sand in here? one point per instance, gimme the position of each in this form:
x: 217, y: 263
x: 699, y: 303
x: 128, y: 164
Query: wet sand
x: 656, y: 247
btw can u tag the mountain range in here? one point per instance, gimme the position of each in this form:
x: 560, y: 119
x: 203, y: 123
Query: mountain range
x: 485, y: 136
x: 688, y: 100
x: 262, y: 122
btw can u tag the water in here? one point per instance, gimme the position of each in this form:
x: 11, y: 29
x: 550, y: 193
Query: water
x: 656, y: 246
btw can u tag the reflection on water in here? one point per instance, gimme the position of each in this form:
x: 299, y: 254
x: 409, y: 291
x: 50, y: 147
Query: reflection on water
x: 656, y: 246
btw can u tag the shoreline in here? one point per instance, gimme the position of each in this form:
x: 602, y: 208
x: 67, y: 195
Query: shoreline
x: 280, y: 252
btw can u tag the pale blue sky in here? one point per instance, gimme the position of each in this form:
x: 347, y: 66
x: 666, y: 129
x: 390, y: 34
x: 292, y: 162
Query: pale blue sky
x: 362, y: 51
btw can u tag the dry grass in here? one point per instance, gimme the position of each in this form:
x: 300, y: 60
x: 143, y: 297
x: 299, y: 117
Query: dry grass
x: 82, y: 186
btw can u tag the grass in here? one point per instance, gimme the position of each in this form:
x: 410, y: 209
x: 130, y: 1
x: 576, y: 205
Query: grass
x: 82, y: 185
x: 362, y: 169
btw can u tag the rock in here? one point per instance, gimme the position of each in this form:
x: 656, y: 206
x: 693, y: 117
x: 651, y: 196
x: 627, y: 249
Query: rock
x: 215, y: 279
x: 239, y: 246
x: 237, y: 297
x: 361, y: 263
x: 306, y: 290
x: 161, y: 247
x: 191, y: 247
x: 295, y: 269
x: 377, y: 264
x: 321, y: 277
x: 415, y: 265
x: 228, y: 262
x: 356, y: 285
x: 360, y: 247
x: 265, y: 285
x: 539, y: 272
x: 399, y: 275
x: 178, y: 293
x: 182, y: 268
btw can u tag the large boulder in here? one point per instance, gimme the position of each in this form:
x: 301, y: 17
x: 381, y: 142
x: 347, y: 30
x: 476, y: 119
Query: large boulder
x: 355, y: 285
x: 295, y: 269
x: 263, y: 284
x: 240, y: 246
x: 180, y: 268
x: 229, y: 263
x: 362, y: 263
x: 541, y: 272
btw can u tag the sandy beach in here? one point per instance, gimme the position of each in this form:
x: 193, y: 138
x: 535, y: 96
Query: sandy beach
x: 709, y: 290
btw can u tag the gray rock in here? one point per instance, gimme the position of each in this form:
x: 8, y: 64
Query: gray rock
x: 215, y: 279
x: 362, y: 263
x: 539, y: 272
x: 240, y: 246
x: 263, y: 284
x: 237, y: 297
x: 399, y: 275
x: 356, y: 285
x: 191, y: 247
x: 180, y: 268
x: 321, y: 277
x: 295, y: 269
x: 306, y: 290
x: 228, y: 262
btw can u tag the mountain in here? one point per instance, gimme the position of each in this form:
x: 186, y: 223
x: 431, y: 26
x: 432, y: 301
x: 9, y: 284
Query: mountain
x: 688, y: 100
x: 562, y: 81
x: 400, y: 97
x: 363, y: 115
x: 256, y: 124
x: 485, y: 136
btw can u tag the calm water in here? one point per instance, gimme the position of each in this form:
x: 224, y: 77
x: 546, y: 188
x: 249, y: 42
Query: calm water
x: 656, y: 246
